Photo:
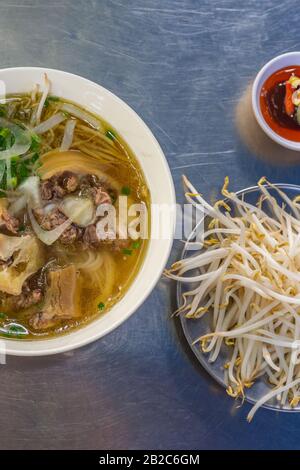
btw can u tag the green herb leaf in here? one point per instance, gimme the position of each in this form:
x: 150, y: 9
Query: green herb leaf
x: 6, y: 138
x: 34, y: 158
x: 22, y: 172
x: 35, y: 142
x: 101, y: 306
x: 2, y: 315
x: 127, y: 251
x: 125, y: 191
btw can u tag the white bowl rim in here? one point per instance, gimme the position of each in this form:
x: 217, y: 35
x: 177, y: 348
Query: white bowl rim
x: 256, y: 87
x: 19, y: 347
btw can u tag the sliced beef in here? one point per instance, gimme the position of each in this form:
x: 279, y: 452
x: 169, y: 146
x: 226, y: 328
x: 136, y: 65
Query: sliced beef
x: 47, y: 192
x: 53, y: 219
x: 101, y: 193
x: 25, y: 299
x: 100, y: 196
x: 31, y: 295
x: 69, y: 181
x: 90, y: 239
x: 11, y: 223
x: 62, y: 299
x: 59, y: 185
x: 71, y: 234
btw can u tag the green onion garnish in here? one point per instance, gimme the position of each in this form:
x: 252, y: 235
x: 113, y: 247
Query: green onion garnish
x: 110, y: 134
x: 136, y: 244
x: 125, y: 191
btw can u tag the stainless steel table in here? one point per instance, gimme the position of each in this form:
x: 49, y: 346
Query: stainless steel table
x: 183, y: 66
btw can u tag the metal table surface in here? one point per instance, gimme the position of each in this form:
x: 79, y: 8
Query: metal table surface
x: 183, y: 65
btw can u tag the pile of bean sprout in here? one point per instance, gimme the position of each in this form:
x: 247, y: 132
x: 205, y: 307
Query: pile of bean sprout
x: 248, y: 280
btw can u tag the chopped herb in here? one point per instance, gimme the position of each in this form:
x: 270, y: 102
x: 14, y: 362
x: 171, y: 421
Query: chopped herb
x: 110, y: 134
x: 14, y: 182
x: 49, y: 99
x: 35, y: 142
x: 6, y: 138
x: 101, y: 306
x: 15, y: 159
x: 35, y: 158
x: 136, y: 244
x: 21, y: 228
x: 2, y: 110
x: 126, y: 251
x: 2, y: 315
x: 125, y: 191
x: 22, y: 172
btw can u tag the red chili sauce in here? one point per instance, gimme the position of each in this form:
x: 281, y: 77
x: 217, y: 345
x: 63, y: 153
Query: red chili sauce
x: 277, y: 102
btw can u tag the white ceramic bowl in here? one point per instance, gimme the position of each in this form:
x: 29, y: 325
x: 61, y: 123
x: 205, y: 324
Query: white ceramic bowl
x: 284, y: 60
x: 97, y: 99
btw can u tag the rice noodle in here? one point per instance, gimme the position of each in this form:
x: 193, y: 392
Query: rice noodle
x: 248, y: 281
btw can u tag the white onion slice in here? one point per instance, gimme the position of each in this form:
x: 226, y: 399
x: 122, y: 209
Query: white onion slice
x: 83, y: 115
x: 31, y: 189
x: 83, y: 207
x: 49, y: 123
x: 18, y: 205
x: 68, y: 135
x: 46, y: 88
x: 22, y: 140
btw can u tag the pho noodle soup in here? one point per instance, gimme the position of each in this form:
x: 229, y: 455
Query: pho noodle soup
x: 61, y: 169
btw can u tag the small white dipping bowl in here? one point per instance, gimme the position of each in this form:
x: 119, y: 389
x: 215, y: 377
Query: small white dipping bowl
x: 102, y: 102
x: 284, y: 60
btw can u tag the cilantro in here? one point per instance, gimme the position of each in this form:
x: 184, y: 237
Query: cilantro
x: 35, y: 142
x: 126, y: 251
x: 101, y: 306
x: 2, y: 315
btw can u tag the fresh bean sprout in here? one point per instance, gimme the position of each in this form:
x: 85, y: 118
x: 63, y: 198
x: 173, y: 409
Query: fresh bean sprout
x: 247, y: 278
